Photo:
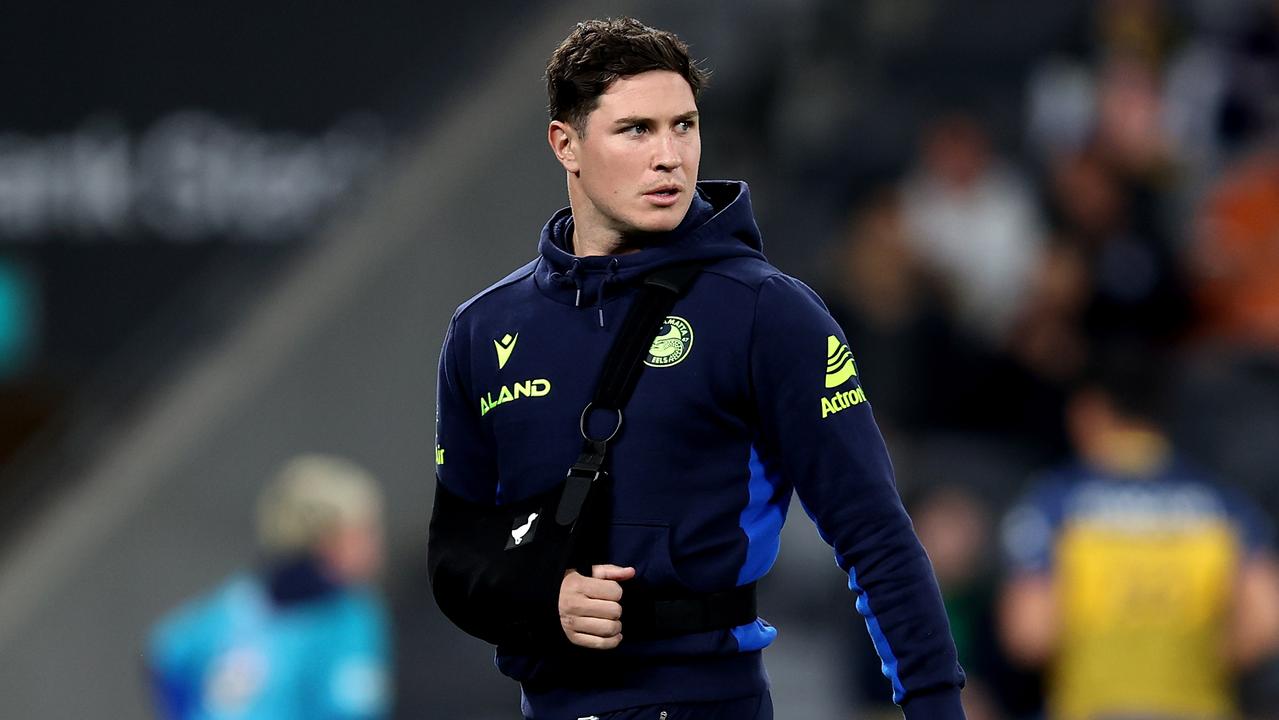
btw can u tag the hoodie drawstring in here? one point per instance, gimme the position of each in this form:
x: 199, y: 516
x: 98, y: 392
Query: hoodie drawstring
x: 599, y: 298
x: 570, y: 278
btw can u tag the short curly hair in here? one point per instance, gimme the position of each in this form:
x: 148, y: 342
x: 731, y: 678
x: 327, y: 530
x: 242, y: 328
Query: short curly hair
x: 599, y: 52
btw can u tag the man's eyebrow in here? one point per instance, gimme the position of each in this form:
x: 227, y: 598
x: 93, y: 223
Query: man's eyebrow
x: 637, y: 120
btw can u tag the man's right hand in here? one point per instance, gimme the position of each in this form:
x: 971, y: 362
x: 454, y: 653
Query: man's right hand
x: 591, y: 607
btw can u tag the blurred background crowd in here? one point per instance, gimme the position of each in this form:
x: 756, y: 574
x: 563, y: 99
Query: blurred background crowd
x: 240, y: 238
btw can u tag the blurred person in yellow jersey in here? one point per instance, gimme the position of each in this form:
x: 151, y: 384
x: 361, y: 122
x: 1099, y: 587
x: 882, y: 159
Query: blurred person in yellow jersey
x: 1139, y: 586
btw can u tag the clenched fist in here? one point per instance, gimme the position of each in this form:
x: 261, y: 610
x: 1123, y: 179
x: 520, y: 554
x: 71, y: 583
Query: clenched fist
x: 591, y: 607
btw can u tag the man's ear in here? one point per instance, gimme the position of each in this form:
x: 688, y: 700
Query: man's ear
x: 564, y: 142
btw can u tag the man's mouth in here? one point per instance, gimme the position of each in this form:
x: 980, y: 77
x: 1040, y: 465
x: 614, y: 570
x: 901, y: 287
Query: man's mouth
x: 663, y: 195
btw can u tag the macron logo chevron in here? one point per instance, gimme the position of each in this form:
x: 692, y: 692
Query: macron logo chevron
x: 839, y: 363
x: 504, y: 348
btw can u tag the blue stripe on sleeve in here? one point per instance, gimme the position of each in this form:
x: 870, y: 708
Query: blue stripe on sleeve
x: 888, y: 661
x: 761, y: 520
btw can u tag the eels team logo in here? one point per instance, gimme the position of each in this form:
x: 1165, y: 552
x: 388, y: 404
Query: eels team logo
x: 673, y: 343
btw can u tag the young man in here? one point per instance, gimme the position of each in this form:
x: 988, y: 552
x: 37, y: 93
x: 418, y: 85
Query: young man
x: 750, y: 392
x: 304, y: 638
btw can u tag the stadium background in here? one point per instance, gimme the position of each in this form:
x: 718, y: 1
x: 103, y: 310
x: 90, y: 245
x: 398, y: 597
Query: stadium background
x: 229, y: 235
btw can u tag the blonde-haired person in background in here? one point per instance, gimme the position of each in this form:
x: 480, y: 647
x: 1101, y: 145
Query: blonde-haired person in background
x: 304, y: 636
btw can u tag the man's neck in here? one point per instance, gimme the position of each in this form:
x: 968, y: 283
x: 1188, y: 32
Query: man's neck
x: 588, y: 242
x: 592, y: 235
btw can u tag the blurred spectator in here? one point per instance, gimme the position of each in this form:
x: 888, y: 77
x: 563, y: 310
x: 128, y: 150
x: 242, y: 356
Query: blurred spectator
x: 1144, y: 29
x: 1049, y: 338
x: 1250, y: 99
x: 1106, y: 219
x: 1129, y: 123
x: 1222, y: 89
x: 1097, y: 76
x: 974, y: 222
x: 954, y: 527
x: 1229, y: 402
x: 1143, y: 588
x: 303, y: 637
x: 1235, y: 254
x: 884, y: 299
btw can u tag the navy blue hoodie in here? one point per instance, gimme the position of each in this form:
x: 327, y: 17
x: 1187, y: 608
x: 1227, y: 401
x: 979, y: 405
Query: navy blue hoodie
x: 751, y: 392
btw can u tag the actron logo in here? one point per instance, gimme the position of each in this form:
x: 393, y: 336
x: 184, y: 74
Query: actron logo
x: 842, y: 401
x: 840, y: 368
x: 839, y: 363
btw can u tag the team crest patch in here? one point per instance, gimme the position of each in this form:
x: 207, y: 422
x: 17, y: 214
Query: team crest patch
x: 673, y: 343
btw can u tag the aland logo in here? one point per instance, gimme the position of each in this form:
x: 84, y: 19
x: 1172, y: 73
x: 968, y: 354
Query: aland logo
x: 673, y: 343
x: 839, y: 363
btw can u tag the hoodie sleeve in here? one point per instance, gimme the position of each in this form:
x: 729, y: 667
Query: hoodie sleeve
x: 464, y: 452
x: 816, y: 427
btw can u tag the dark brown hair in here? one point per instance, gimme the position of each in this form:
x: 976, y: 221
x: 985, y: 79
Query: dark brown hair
x: 598, y: 52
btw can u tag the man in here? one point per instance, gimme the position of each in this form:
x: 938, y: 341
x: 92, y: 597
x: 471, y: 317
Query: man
x: 750, y: 392
x: 1142, y: 587
x: 302, y: 639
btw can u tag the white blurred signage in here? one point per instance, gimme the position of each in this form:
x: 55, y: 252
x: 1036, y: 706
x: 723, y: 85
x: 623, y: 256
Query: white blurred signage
x: 190, y: 176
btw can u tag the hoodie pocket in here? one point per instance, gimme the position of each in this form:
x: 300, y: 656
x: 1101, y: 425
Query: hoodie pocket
x: 645, y: 546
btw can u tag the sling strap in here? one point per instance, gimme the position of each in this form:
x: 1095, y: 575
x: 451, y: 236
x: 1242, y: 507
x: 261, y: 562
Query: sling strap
x: 646, y: 616
x: 625, y: 359
x: 618, y: 377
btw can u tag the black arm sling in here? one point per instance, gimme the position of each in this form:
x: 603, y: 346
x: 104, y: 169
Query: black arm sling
x: 496, y: 570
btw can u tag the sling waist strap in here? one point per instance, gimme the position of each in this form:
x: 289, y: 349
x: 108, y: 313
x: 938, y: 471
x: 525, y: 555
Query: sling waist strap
x: 648, y: 617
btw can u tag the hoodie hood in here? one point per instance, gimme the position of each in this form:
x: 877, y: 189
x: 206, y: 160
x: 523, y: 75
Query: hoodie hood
x: 720, y: 224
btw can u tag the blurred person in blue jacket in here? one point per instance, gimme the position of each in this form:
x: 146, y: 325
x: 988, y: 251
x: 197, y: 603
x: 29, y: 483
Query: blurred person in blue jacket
x: 303, y: 637
x: 1142, y: 587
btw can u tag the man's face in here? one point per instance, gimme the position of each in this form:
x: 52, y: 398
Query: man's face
x: 635, y: 165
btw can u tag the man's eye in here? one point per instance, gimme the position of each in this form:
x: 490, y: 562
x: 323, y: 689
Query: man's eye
x: 684, y: 125
x: 634, y: 130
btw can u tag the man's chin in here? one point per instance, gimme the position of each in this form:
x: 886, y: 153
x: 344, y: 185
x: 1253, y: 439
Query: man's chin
x: 661, y: 220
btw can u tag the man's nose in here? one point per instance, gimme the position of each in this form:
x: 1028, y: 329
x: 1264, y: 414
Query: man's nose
x: 667, y: 156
